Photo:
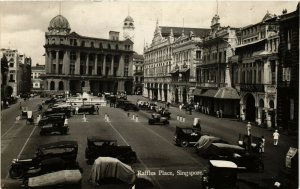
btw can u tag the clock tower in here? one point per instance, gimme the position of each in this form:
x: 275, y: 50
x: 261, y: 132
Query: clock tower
x: 128, y: 28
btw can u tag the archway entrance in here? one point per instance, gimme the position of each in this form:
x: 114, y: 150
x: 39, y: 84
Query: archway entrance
x: 52, y: 85
x: 61, y: 86
x: 250, y: 108
x: 176, y: 95
x: 184, y: 95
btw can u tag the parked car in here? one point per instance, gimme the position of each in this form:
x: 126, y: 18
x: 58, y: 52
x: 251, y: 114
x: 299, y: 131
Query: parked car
x: 87, y: 109
x: 244, y: 159
x: 52, y: 128
x: 59, y: 109
x: 165, y: 113
x: 220, y: 174
x: 55, y: 118
x: 49, y: 157
x: 185, y: 136
x: 158, y: 119
x: 120, y: 103
x: 129, y: 106
x: 105, y: 146
x: 251, y: 143
x: 203, y: 144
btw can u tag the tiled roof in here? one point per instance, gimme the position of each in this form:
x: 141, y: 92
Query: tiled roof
x: 177, y: 31
x: 138, y: 56
x: 227, y: 93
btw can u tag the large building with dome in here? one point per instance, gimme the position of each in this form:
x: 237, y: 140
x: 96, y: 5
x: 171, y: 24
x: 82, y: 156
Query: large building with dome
x: 76, y: 63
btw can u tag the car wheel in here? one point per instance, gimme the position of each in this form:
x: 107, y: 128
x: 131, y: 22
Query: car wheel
x: 184, y: 143
x: 16, y: 173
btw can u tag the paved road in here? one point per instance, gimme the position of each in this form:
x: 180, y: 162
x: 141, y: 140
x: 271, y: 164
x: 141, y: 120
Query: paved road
x: 153, y: 144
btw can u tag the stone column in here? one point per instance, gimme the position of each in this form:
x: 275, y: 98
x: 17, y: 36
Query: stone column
x: 96, y: 65
x: 50, y: 62
x: 66, y: 63
x: 163, y: 94
x: 67, y: 85
x: 121, y: 86
x: 47, y: 63
x: 104, y: 65
x: 57, y: 62
x: 56, y: 82
x: 77, y: 63
x: 87, y: 64
x: 259, y: 115
x: 112, y: 65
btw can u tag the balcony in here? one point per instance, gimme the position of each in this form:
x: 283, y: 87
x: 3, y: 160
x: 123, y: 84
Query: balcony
x: 252, y: 87
x: 138, y: 72
x: 208, y: 85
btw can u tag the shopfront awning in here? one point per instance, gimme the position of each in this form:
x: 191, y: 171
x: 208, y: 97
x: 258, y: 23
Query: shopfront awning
x: 205, y: 92
x: 227, y: 93
x: 184, y: 70
x: 173, y: 71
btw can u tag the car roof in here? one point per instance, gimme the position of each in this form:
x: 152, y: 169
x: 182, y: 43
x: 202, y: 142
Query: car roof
x: 222, y: 145
x: 101, y: 138
x: 59, y: 144
x: 223, y: 164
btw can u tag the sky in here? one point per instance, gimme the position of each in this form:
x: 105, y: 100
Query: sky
x: 23, y: 24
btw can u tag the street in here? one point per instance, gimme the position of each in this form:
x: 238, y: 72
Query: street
x: 167, y: 164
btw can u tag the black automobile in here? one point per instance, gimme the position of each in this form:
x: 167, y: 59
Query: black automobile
x: 220, y: 174
x: 87, y: 109
x: 50, y: 101
x: 250, y: 143
x: 185, y: 136
x: 48, y: 158
x: 165, y: 113
x: 120, y: 103
x: 244, y: 159
x: 59, y: 109
x: 129, y: 106
x: 54, y: 128
x: 158, y: 119
x: 106, y: 146
x: 56, y: 119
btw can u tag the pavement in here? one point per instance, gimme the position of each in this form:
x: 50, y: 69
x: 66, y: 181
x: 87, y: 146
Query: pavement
x: 229, y: 128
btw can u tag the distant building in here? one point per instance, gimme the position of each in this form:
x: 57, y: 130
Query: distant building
x: 138, y: 74
x: 19, y: 70
x: 76, y: 63
x: 288, y: 73
x: 255, y: 68
x: 170, y: 61
x: 215, y: 92
x: 37, y: 82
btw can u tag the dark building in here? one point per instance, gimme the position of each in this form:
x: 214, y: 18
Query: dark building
x: 138, y: 73
x: 288, y: 72
x: 76, y: 63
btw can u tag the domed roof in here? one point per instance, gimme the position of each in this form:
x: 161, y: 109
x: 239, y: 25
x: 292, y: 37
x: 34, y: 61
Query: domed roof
x: 59, y: 22
x: 128, y: 19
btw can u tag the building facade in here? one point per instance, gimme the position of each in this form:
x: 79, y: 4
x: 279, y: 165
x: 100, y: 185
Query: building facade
x: 37, y: 82
x: 138, y: 74
x: 19, y: 70
x: 215, y: 92
x: 76, y: 63
x: 255, y: 68
x: 288, y: 73
x: 170, y: 62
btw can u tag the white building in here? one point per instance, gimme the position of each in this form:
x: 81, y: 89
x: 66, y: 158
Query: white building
x: 37, y: 82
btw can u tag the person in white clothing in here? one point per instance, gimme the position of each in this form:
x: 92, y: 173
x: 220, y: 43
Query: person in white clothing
x: 248, y: 128
x: 276, y: 137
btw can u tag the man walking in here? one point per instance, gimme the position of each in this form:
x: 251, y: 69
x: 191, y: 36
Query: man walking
x: 248, y: 128
x: 276, y: 137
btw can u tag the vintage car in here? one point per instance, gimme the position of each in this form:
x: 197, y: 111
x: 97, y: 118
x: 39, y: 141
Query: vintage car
x: 48, y: 158
x: 30, y: 118
x: 87, y: 109
x: 158, y: 119
x: 251, y: 143
x: 50, y: 101
x: 203, y: 144
x: 220, y: 174
x: 66, y: 109
x: 165, y: 113
x: 54, y: 128
x: 185, y: 136
x: 120, y: 103
x: 107, y: 170
x: 121, y: 95
x: 244, y: 159
x: 129, y: 106
x: 68, y: 179
x: 55, y: 118
x: 105, y: 146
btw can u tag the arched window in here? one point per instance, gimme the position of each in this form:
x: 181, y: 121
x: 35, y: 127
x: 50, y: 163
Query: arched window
x: 61, y: 86
x: 82, y: 43
x: 100, y: 45
x: 117, y: 46
x: 92, y: 44
x: 108, y: 46
x: 52, y: 85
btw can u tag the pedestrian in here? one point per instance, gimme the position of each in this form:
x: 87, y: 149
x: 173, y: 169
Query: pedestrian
x: 221, y: 113
x: 66, y: 122
x: 248, y: 126
x: 190, y: 110
x: 180, y: 107
x: 276, y: 137
x: 262, y: 145
x: 7, y: 104
x: 97, y: 109
x: 76, y: 110
x: 218, y: 114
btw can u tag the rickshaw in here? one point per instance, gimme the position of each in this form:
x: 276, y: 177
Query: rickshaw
x: 249, y: 142
x: 220, y: 174
x: 30, y: 118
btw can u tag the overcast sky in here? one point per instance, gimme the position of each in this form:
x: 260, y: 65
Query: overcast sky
x: 23, y: 24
